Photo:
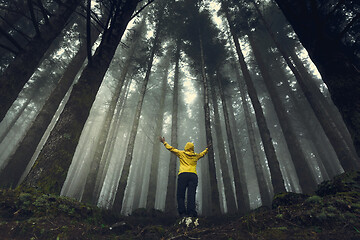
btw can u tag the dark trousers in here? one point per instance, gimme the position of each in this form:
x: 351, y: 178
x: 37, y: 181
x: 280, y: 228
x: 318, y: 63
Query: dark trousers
x: 187, y: 181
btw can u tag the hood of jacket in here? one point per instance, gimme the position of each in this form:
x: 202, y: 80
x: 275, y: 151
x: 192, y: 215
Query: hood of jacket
x: 189, y: 148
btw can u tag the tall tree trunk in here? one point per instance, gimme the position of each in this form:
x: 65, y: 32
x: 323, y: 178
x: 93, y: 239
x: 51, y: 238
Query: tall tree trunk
x: 130, y: 148
x: 215, y: 200
x: 334, y: 61
x: 324, y: 157
x: 306, y: 178
x: 156, y: 148
x: 170, y: 205
x: 105, y: 163
x: 140, y: 178
x: 17, y: 116
x: 21, y: 158
x: 264, y: 191
x: 110, y: 143
x: 229, y: 194
x: 240, y: 180
x: 90, y: 193
x: 333, y: 113
x: 50, y: 169
x: 25, y: 63
x: 346, y: 156
x: 276, y: 175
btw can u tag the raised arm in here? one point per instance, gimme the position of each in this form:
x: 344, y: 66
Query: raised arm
x: 168, y: 146
x: 203, y: 153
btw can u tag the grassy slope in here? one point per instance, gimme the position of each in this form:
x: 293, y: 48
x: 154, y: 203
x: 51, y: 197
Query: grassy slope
x: 332, y: 213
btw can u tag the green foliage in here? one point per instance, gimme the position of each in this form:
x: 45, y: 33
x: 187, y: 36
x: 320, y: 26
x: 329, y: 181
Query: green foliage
x: 314, y: 200
x: 346, y: 182
x: 288, y: 198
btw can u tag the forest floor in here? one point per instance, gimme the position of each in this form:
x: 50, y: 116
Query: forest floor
x: 333, y: 212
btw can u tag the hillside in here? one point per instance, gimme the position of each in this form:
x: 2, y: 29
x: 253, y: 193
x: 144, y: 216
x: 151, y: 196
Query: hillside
x: 332, y: 213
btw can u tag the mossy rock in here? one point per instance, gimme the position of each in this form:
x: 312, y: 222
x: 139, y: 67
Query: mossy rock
x: 346, y: 182
x: 288, y: 199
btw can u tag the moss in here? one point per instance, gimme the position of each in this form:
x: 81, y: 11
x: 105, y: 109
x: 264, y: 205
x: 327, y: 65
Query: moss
x: 281, y: 228
x: 332, y: 209
x: 322, y: 216
x: 288, y: 198
x: 313, y: 200
x: 346, y: 182
x: 278, y: 233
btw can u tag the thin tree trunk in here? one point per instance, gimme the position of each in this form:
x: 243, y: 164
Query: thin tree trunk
x: 307, y: 180
x: 20, y: 70
x: 140, y: 178
x: 106, y: 173
x: 110, y: 143
x: 264, y: 191
x: 33, y: 18
x: 90, y: 193
x: 276, y: 175
x: 50, y: 169
x: 229, y: 194
x: 170, y: 205
x: 215, y: 200
x: 88, y: 32
x: 43, y: 11
x: 243, y: 203
x: 130, y: 148
x: 156, y: 148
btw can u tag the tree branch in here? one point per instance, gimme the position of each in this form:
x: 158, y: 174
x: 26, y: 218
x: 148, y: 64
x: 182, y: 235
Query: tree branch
x: 8, y: 49
x: 33, y: 18
x: 44, y: 12
x: 11, y: 39
x: 348, y: 26
x: 27, y: 37
x: 88, y: 31
x: 147, y: 4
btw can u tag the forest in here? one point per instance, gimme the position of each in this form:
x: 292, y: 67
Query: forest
x: 88, y: 87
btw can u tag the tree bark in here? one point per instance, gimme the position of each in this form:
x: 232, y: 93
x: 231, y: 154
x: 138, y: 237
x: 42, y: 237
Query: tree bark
x: 266, y: 198
x: 90, y: 192
x: 229, y: 194
x: 156, y: 147
x: 276, y: 175
x: 239, y: 171
x: 307, y: 180
x: 33, y: 18
x: 170, y: 204
x: 50, y: 169
x: 88, y: 32
x: 334, y: 61
x: 130, y: 148
x: 311, y: 126
x: 215, y: 200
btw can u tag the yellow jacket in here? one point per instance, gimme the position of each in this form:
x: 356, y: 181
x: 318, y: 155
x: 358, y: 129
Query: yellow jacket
x: 188, y: 158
